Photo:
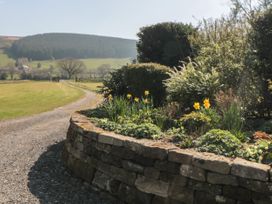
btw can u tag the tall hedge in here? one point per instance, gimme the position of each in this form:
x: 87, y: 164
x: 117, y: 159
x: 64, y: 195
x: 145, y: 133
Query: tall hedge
x: 136, y: 78
x: 261, y: 41
x: 165, y: 43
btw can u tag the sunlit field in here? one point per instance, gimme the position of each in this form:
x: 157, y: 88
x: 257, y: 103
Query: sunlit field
x: 26, y: 98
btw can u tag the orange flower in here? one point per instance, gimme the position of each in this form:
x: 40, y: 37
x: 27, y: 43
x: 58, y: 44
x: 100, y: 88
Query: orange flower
x: 207, y: 103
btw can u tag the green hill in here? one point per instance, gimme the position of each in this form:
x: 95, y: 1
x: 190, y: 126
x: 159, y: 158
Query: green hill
x: 62, y: 45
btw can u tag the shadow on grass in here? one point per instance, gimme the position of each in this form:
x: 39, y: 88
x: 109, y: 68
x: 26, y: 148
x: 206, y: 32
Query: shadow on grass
x: 50, y: 182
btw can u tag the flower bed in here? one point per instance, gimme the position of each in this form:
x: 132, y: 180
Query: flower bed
x: 144, y: 171
x: 206, y: 128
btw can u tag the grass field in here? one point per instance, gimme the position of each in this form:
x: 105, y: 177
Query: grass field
x: 91, y: 63
x: 27, y: 98
x: 4, y: 59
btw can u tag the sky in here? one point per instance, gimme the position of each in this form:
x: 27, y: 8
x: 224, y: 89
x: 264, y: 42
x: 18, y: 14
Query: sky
x: 118, y: 18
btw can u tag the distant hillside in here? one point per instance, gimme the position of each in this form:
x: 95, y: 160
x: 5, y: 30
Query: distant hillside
x: 63, y: 45
x: 6, y: 41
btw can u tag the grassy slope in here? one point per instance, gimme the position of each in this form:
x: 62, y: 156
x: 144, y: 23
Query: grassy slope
x: 27, y: 98
x: 90, y: 63
x: 4, y: 59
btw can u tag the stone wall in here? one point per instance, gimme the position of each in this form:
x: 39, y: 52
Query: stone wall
x: 150, y: 172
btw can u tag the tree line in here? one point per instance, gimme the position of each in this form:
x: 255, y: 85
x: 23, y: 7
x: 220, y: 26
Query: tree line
x: 62, y: 45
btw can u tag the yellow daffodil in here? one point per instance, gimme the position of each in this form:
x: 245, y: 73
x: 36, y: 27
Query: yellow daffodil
x: 146, y: 101
x: 110, y: 97
x: 136, y: 99
x: 146, y: 92
x: 129, y: 96
x: 196, y: 105
x: 207, y: 103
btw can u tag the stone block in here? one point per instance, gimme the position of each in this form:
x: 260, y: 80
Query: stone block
x: 212, y: 162
x: 131, y: 195
x: 111, y: 139
x: 180, y: 156
x: 147, y: 148
x: 215, y: 178
x: 205, y: 187
x: 152, y: 186
x: 152, y: 173
x: 251, y: 170
x: 237, y: 193
x: 167, y: 166
x: 132, y: 166
x: 117, y: 173
x: 205, y: 198
x: 192, y: 172
x: 256, y: 186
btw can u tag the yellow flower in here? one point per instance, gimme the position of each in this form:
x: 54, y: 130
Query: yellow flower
x: 196, y: 105
x: 136, y: 99
x: 129, y: 96
x: 146, y: 92
x: 207, y: 103
x: 146, y: 101
x: 110, y: 97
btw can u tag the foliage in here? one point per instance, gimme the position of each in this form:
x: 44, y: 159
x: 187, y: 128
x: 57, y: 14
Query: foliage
x: 261, y: 151
x: 178, y: 136
x: 136, y: 78
x: 266, y: 127
x: 192, y: 83
x: 62, y: 45
x: 72, y: 67
x: 220, y: 142
x: 165, y: 43
x: 261, y: 41
x: 145, y: 130
x: 222, y: 46
x: 196, y: 122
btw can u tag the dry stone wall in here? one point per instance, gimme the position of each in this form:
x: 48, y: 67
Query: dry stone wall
x: 128, y: 170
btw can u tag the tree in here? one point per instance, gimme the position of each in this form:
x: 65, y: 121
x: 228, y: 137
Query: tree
x: 261, y: 42
x: 71, y: 66
x: 165, y: 43
x: 12, y: 70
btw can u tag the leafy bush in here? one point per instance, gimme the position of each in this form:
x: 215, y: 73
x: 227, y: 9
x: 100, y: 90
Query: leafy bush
x: 220, y: 142
x: 266, y: 127
x: 196, y: 122
x: 136, y: 78
x: 261, y: 151
x: 261, y: 42
x: 178, y: 136
x: 192, y: 83
x: 146, y: 130
x: 165, y: 43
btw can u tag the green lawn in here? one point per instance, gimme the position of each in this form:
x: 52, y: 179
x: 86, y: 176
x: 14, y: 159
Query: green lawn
x: 27, y: 98
x: 4, y: 59
x: 91, y: 63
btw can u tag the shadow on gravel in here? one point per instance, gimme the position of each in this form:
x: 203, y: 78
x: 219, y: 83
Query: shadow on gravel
x: 50, y: 182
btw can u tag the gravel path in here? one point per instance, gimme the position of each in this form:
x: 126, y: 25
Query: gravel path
x: 31, y: 170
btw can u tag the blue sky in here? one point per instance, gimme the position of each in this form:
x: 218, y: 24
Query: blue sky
x: 120, y: 18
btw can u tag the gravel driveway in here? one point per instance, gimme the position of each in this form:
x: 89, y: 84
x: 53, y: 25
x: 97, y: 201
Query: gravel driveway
x: 31, y: 170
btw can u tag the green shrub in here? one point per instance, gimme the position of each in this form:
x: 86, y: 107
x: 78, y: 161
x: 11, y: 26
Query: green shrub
x: 165, y: 43
x: 178, y: 136
x: 220, y: 142
x: 146, y: 130
x: 136, y: 78
x: 232, y: 119
x: 196, y: 122
x: 266, y: 127
x: 192, y: 83
x: 261, y: 151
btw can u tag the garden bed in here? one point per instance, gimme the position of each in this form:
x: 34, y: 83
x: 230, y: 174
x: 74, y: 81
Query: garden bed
x: 145, y: 171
